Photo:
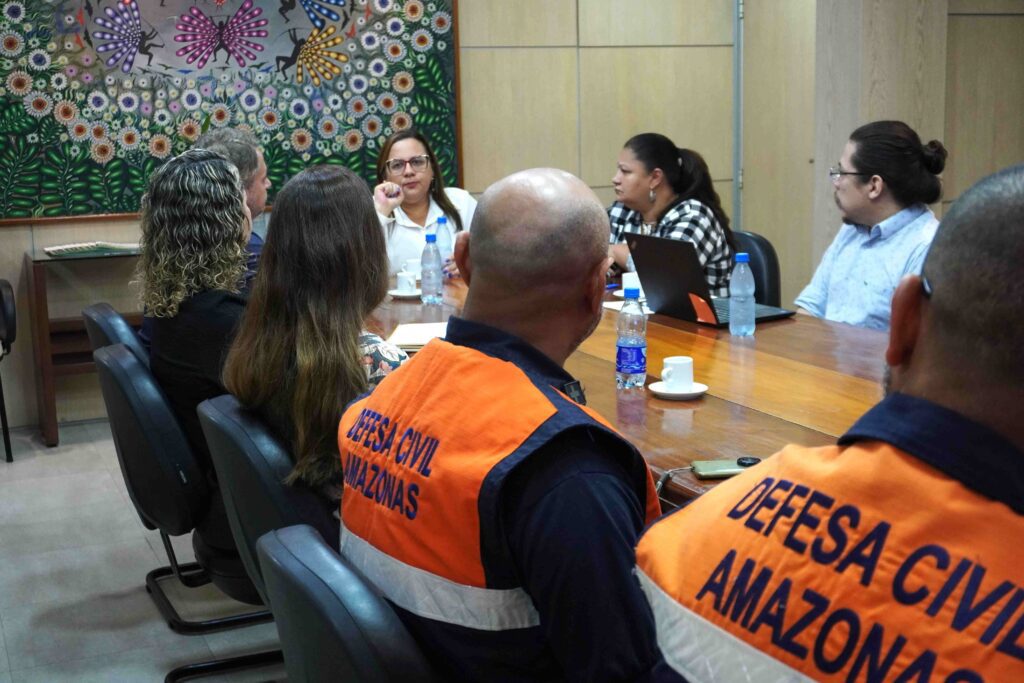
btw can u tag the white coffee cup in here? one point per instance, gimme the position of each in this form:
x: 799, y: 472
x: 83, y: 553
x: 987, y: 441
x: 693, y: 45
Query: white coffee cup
x: 677, y: 373
x: 406, y: 281
x: 413, y: 266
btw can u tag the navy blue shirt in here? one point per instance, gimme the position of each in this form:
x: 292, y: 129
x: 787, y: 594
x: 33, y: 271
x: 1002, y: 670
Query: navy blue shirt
x: 572, y: 517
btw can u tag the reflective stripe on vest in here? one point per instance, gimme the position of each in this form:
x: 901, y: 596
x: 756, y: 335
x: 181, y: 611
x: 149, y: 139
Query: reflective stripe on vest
x: 425, y: 456
x: 855, y: 563
x: 435, y: 597
x: 701, y: 651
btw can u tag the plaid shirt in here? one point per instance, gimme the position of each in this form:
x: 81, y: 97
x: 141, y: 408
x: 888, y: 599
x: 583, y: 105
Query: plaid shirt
x: 688, y: 220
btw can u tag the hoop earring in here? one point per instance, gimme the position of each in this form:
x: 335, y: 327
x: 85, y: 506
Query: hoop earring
x: 650, y: 195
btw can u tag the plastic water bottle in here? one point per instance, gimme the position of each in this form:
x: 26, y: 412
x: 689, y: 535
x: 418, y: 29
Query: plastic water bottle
x: 631, y: 346
x: 444, y: 239
x: 431, y: 277
x: 741, y: 298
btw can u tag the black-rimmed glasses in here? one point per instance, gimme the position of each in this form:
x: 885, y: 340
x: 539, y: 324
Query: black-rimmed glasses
x: 835, y: 173
x: 418, y: 163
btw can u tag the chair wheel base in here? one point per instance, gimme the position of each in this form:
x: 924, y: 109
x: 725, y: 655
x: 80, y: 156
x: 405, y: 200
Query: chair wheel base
x: 229, y: 664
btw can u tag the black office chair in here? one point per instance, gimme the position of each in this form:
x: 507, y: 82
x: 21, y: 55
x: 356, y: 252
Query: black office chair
x: 171, y: 494
x: 764, y: 264
x: 333, y: 626
x: 252, y: 465
x: 106, y: 327
x: 8, y: 331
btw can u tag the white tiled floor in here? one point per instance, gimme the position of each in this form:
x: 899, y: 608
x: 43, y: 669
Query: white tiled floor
x: 73, y: 561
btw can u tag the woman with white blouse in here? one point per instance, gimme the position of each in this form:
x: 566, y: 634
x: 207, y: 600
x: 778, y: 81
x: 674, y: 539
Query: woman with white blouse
x: 411, y: 196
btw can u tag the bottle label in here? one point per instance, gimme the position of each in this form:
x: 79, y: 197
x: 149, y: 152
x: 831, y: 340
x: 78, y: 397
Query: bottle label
x: 631, y: 360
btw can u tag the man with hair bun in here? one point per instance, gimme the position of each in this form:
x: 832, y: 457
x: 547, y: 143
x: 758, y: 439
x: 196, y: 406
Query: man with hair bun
x: 488, y: 504
x: 893, y: 555
x: 882, y: 184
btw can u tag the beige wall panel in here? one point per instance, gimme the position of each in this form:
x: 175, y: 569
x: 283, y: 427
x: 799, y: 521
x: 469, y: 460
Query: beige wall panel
x: 484, y: 23
x: 18, y: 369
x: 986, y: 7
x: 656, y: 22
x: 519, y: 110
x: 905, y: 64
x: 778, y: 132
x: 985, y: 98
x: 694, y: 107
x: 722, y: 187
x: 837, y: 67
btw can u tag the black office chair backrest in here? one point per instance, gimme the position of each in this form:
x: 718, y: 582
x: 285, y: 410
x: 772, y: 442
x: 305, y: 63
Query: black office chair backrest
x: 333, y: 626
x: 764, y: 263
x: 105, y: 326
x: 163, y: 478
x: 8, y: 317
x: 252, y: 465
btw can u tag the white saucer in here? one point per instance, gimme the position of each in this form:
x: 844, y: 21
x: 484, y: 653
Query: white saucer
x: 696, y: 389
x: 400, y: 294
x: 621, y: 293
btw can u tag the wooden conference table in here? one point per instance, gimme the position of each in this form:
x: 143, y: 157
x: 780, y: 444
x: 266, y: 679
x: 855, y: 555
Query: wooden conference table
x: 800, y: 380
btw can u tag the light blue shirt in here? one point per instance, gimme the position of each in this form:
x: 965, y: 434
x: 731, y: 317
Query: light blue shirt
x: 860, y: 270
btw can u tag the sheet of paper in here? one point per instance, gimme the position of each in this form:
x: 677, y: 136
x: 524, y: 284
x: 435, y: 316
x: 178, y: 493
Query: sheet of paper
x: 416, y: 335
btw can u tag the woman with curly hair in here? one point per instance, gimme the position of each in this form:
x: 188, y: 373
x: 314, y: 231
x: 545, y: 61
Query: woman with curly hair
x: 195, y: 225
x: 302, y: 354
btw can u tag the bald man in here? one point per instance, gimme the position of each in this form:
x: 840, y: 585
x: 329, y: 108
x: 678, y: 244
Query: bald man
x: 486, y: 502
x: 895, y: 554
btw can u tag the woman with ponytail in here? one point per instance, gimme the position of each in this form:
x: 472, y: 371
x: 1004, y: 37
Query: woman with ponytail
x: 301, y: 353
x: 882, y: 185
x: 665, y: 191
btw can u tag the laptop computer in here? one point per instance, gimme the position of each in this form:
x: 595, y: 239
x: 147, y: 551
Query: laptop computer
x: 674, y: 283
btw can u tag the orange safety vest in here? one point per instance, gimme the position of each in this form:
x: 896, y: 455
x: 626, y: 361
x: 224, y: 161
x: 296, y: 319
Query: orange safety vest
x: 425, y: 456
x: 839, y: 564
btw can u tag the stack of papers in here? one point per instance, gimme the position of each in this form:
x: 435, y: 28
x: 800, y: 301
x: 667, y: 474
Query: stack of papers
x: 90, y: 248
x: 414, y: 336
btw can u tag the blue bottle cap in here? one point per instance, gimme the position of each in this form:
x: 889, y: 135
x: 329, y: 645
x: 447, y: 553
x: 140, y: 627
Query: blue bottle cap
x: 631, y: 293
x: 742, y: 257
x: 431, y: 238
x: 443, y: 220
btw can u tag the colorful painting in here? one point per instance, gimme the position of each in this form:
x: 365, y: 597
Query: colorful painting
x: 96, y: 94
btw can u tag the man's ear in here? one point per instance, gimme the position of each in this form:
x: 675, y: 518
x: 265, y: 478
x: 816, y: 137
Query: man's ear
x: 596, y: 284
x: 905, y: 320
x: 876, y: 186
x: 461, y: 254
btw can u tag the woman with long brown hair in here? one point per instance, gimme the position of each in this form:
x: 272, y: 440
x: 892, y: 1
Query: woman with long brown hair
x: 301, y: 353
x: 410, y: 197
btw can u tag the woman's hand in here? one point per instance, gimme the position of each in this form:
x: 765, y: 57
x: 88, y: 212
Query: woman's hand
x: 620, y: 254
x: 386, y: 197
x: 450, y: 269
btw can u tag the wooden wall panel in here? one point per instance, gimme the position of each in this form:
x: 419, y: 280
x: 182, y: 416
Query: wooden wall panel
x: 778, y: 132
x: 518, y: 111
x: 18, y: 369
x: 520, y: 23
x: 693, y: 104
x: 655, y: 22
x: 985, y: 98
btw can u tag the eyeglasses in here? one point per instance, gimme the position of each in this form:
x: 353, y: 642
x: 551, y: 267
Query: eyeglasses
x: 418, y: 163
x: 834, y: 173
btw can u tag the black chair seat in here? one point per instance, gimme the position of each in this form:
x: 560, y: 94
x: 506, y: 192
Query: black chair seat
x: 8, y: 332
x: 107, y: 327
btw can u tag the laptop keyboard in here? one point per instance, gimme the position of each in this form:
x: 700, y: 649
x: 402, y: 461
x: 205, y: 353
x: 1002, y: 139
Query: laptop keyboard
x: 721, y: 309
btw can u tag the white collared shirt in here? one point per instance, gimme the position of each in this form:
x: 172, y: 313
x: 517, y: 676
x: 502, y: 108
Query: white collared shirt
x: 406, y: 239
